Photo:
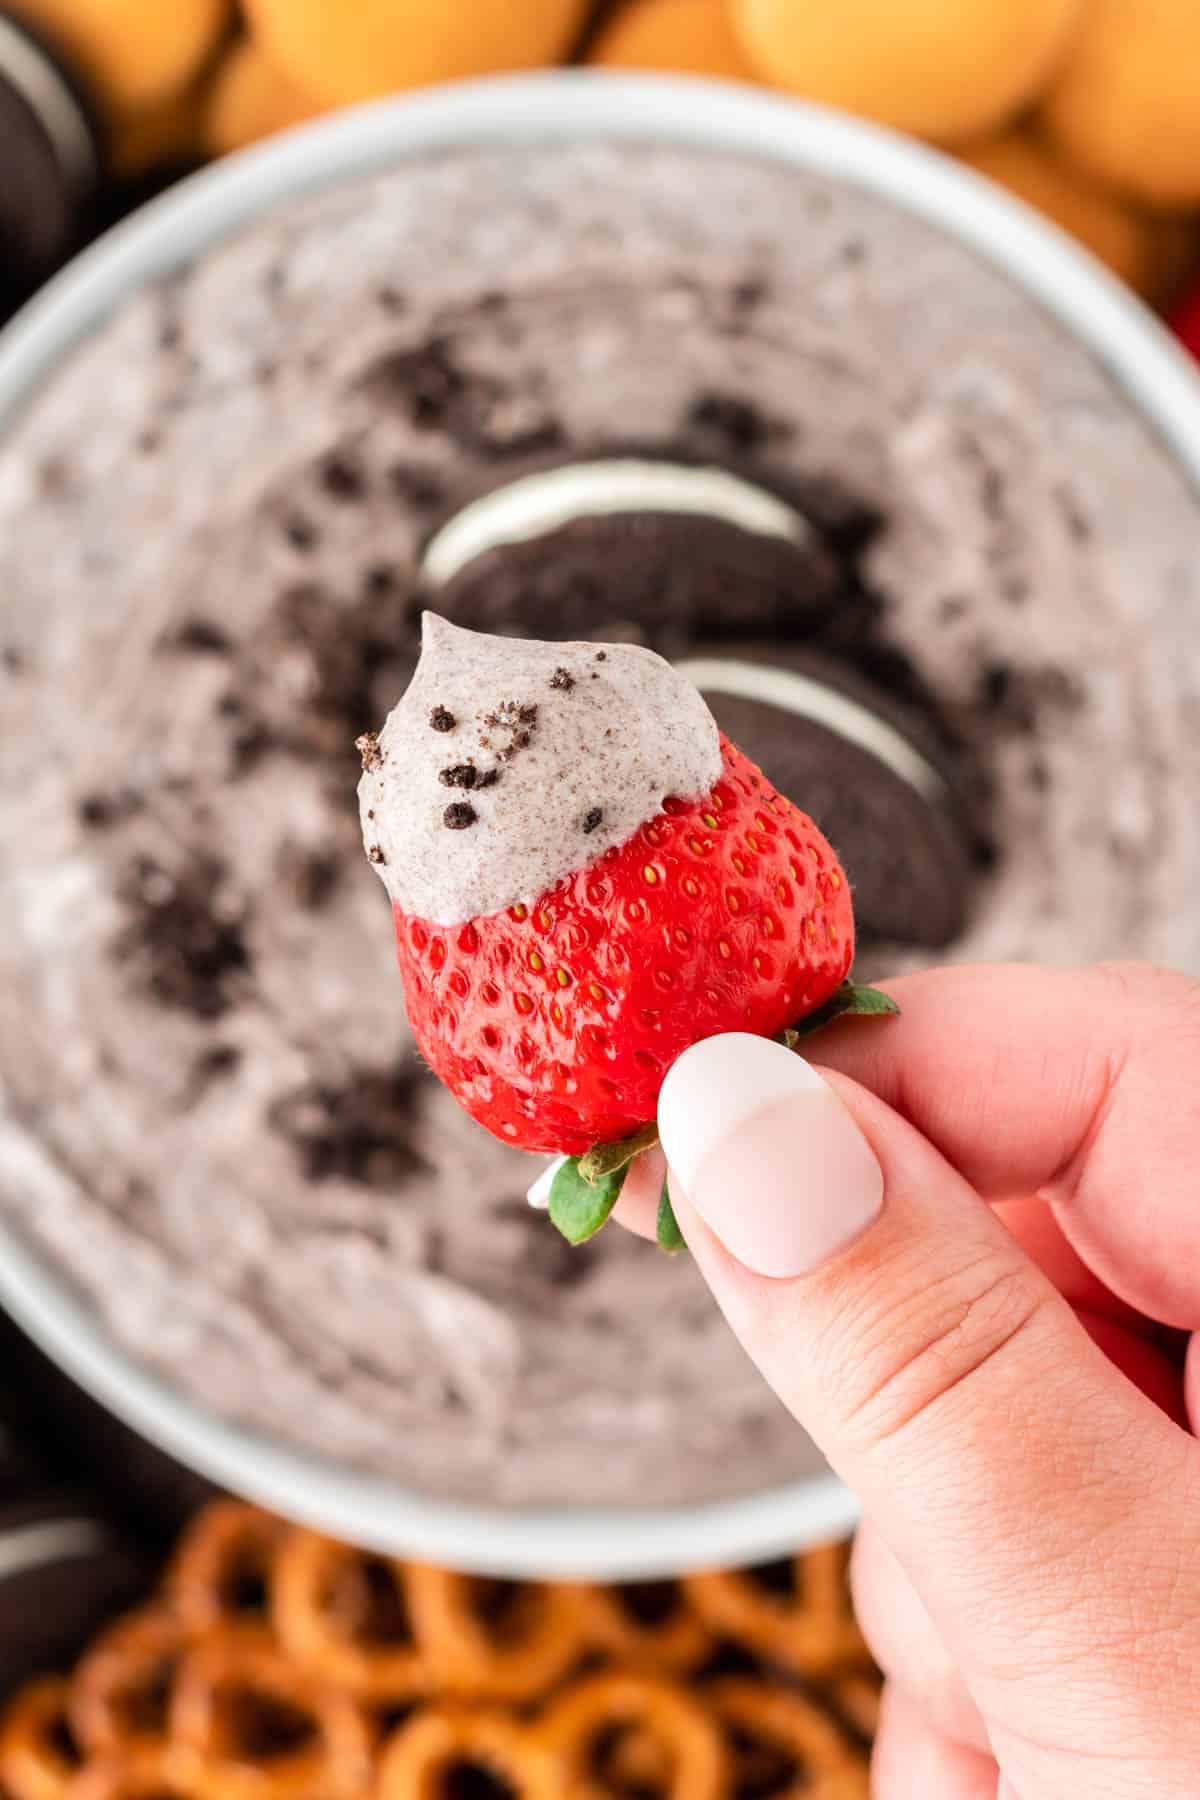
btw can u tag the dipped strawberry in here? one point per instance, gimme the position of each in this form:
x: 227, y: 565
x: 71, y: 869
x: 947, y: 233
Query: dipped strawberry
x: 586, y: 878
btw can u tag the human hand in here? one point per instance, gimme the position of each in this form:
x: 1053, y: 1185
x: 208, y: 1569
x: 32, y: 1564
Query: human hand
x: 1006, y: 1387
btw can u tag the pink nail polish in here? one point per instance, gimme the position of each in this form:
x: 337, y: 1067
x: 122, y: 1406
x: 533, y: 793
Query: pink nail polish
x: 767, y: 1154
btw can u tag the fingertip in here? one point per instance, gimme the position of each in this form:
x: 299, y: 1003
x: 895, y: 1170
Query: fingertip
x: 637, y: 1208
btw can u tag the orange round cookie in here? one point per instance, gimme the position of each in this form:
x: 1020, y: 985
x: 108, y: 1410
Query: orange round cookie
x: 689, y: 37
x: 165, y: 131
x: 1126, y: 102
x: 947, y: 71
x: 132, y: 53
x: 344, y: 53
x: 250, y: 99
x: 1110, y: 228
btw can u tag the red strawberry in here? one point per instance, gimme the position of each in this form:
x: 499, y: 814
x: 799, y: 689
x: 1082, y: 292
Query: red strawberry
x: 554, y: 1025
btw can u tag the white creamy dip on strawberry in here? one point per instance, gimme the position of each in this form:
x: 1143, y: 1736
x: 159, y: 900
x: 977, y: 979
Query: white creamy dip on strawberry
x: 510, y: 763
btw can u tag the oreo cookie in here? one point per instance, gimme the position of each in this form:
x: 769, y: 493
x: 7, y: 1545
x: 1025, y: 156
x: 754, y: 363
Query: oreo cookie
x: 868, y: 770
x: 632, y: 547
x: 50, y: 157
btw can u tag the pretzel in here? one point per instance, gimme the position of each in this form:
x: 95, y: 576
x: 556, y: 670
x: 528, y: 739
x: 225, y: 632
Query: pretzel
x: 494, y: 1640
x: 244, y: 1708
x: 426, y: 1758
x: 608, y: 1728
x: 650, y: 1624
x: 345, y: 1616
x: 221, y: 1572
x: 783, y: 1744
x: 121, y: 1691
x: 810, y: 1629
x: 165, y: 1773
x: 856, y: 1694
x: 36, y: 1747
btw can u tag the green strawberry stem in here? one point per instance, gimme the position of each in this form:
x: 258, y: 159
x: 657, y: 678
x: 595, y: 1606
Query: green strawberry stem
x: 587, y: 1187
x: 666, y: 1230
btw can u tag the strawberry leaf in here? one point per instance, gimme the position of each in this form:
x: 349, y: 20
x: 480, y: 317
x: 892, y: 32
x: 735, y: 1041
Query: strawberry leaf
x: 580, y: 1207
x: 850, y: 1001
x: 606, y: 1159
x: 667, y: 1232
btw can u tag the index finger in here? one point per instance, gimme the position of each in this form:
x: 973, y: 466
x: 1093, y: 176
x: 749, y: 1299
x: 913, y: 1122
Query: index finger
x: 1081, y: 1085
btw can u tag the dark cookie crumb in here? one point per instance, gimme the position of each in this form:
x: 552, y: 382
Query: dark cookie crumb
x: 342, y: 479
x: 301, y: 534
x: 442, y: 719
x: 487, y: 778
x: 739, y: 424
x: 592, y: 819
x: 375, y: 854
x: 185, y: 938
x: 458, y: 816
x: 460, y: 775
x: 310, y: 876
x: 602, y: 656
x: 421, y: 486
x: 379, y: 579
x: 203, y: 636
x: 97, y: 811
x: 563, y: 680
x: 359, y: 1131
x: 12, y: 659
x: 368, y: 748
x: 221, y: 1059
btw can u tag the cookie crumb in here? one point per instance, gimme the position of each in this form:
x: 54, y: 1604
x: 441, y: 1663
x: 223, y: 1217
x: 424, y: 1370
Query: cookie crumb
x: 592, y: 819
x: 563, y: 680
x: 459, y: 816
x: 442, y: 719
x: 368, y: 748
x: 460, y: 775
x: 375, y: 854
x: 487, y: 778
x: 602, y: 656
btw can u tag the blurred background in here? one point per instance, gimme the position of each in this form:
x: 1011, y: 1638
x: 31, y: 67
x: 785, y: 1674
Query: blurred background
x: 1086, y: 109
x: 278, y: 1660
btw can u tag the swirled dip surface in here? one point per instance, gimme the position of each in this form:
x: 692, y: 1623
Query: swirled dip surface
x: 212, y: 1122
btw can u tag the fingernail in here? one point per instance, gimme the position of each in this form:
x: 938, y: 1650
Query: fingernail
x: 767, y: 1154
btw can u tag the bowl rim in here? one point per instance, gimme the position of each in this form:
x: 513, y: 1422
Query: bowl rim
x: 553, y: 106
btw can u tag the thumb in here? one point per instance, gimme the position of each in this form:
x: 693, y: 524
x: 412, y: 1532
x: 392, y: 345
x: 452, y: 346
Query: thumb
x: 1029, y: 1490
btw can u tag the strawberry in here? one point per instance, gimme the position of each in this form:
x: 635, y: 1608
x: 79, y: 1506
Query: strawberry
x: 555, y: 1024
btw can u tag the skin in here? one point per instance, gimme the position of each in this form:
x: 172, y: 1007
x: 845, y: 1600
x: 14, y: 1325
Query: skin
x: 1012, y: 1388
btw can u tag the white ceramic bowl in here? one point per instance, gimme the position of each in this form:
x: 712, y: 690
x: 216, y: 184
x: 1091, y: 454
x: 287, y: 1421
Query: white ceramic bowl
x: 173, y: 230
